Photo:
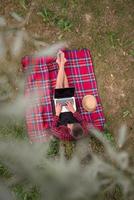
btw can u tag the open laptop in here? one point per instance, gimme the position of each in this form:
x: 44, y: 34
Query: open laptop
x: 62, y: 95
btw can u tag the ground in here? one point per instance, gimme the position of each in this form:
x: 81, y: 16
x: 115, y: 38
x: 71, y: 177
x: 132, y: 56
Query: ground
x: 106, y: 28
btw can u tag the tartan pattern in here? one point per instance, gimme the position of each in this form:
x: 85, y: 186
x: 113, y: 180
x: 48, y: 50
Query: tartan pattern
x: 64, y: 133
x: 40, y: 81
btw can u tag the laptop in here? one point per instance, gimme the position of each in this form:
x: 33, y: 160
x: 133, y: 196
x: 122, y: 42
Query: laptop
x: 62, y: 95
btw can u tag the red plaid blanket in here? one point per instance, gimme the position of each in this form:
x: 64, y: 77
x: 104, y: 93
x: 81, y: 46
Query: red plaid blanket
x: 41, y: 78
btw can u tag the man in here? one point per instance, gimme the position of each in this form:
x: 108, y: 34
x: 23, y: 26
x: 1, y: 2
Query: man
x: 60, y: 126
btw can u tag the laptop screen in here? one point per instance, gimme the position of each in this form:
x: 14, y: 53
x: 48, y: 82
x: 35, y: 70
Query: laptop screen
x: 64, y: 92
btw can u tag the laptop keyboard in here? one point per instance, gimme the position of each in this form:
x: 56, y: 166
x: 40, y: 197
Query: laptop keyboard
x: 63, y: 101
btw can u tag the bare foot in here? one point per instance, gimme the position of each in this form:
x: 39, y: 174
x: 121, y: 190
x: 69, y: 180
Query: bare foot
x: 61, y: 60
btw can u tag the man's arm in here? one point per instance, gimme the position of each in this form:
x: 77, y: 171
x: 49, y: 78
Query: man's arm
x: 55, y: 121
x: 77, y: 115
x: 58, y: 108
x: 60, y: 132
x: 85, y: 125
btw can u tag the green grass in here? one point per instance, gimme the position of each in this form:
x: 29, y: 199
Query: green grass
x: 63, y: 23
x: 68, y: 148
x: 113, y: 38
x: 53, y: 149
x: 126, y: 113
x: 54, y: 19
x: 14, y: 129
x: 108, y: 135
x: 46, y: 14
x: 23, y: 3
x: 4, y: 172
x: 26, y: 194
x: 103, y: 37
x: 131, y: 52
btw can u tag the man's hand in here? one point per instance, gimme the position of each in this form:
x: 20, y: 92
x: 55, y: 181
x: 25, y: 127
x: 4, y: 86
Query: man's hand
x: 58, y: 109
x: 70, y: 107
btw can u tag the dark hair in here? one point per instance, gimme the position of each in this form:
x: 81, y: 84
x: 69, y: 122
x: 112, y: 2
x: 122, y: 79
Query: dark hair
x: 77, y: 130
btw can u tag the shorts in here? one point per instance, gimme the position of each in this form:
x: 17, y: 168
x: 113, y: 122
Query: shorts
x: 67, y: 118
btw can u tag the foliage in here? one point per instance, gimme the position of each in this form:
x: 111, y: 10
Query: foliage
x: 68, y: 148
x: 53, y: 147
x: 13, y: 128
x: 126, y: 113
x: 63, y: 24
x: 50, y: 17
x: 109, y: 136
x: 4, y: 171
x: 113, y: 38
x: 131, y: 52
x: 46, y: 14
x: 23, y: 3
x: 103, y: 36
x: 57, y: 174
x: 26, y: 194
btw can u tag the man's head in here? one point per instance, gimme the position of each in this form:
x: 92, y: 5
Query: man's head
x: 76, y: 129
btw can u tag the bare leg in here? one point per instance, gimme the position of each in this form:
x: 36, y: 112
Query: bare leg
x: 65, y: 83
x: 62, y: 81
x: 60, y: 78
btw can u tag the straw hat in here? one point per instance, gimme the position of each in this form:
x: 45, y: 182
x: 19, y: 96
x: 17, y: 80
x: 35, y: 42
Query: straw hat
x: 89, y: 103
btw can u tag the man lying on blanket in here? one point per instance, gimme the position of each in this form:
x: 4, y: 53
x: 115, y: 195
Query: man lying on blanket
x: 60, y: 127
